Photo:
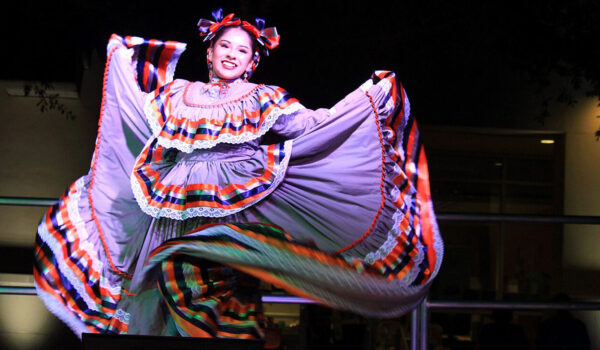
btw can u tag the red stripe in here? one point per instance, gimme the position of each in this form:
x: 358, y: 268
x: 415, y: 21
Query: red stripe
x: 169, y: 47
x: 401, y: 114
x: 409, y: 150
x: 76, y: 252
x: 172, y: 190
x: 93, y: 172
x: 424, y: 197
x: 178, y: 123
x: 147, y: 65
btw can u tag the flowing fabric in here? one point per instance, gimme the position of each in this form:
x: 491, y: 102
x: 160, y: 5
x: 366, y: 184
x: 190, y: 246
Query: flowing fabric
x: 197, y: 191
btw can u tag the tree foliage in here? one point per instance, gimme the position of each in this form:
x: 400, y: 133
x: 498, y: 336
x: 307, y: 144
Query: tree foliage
x: 47, y: 102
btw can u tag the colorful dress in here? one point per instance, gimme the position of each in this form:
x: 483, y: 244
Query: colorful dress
x: 194, y: 187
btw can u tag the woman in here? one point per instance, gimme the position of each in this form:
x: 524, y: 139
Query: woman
x: 232, y: 179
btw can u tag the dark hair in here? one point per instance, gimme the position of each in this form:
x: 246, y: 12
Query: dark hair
x: 223, y: 30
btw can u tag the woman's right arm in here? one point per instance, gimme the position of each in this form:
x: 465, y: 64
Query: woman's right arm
x: 135, y: 66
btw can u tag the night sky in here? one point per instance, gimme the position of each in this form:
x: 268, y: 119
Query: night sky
x: 454, y: 58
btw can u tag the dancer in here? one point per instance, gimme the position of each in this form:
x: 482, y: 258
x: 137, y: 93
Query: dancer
x: 195, y: 189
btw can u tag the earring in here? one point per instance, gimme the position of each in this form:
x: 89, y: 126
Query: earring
x: 246, y: 75
x: 210, y: 69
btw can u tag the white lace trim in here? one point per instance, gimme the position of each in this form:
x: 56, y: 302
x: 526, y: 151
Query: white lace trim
x: 122, y: 316
x: 391, y: 240
x: 385, y: 84
x: 56, y: 248
x: 84, y: 242
x: 366, y: 85
x: 136, y: 40
x: 207, y: 211
x: 105, y: 283
x: 400, y: 138
x: 75, y: 217
x: 385, y: 248
x: 116, y: 40
x: 59, y: 310
x: 414, y: 272
x: 390, y: 243
x: 268, y: 122
x: 180, y: 48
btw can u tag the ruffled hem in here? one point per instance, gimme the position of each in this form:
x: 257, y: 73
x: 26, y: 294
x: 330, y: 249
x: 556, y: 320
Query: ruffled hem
x: 263, y: 251
x: 181, y: 124
x: 181, y: 197
x: 406, y: 184
x: 68, y: 271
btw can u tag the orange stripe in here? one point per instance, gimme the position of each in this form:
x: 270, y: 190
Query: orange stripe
x: 409, y: 149
x: 297, y: 249
x: 165, y: 57
x: 64, y: 297
x: 80, y: 254
x: 401, y: 115
x: 172, y: 283
x: 405, y: 269
x: 42, y: 283
x: 174, y: 190
x: 222, y: 334
x: 118, y: 325
x: 424, y: 197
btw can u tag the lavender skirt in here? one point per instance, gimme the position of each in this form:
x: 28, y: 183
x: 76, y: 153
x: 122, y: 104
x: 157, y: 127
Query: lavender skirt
x: 350, y: 224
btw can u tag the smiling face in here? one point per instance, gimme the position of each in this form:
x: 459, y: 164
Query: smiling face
x: 231, y: 55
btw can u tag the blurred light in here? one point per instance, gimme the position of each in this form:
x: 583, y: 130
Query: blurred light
x: 547, y: 141
x: 24, y: 321
x: 284, y: 299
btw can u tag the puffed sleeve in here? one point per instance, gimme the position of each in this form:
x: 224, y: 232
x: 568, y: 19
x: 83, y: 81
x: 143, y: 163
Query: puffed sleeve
x: 381, y: 88
x: 293, y: 125
x: 292, y: 119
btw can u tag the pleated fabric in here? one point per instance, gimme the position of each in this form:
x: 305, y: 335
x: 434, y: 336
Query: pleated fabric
x: 347, y: 222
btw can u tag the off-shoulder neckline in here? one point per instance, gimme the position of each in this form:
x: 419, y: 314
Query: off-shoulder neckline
x: 246, y: 90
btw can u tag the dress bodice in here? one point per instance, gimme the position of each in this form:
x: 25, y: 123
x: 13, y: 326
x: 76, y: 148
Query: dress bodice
x: 220, y: 153
x: 194, y: 115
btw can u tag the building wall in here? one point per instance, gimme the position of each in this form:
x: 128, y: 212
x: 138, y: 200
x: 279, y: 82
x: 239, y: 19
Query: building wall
x: 581, y: 261
x: 43, y: 153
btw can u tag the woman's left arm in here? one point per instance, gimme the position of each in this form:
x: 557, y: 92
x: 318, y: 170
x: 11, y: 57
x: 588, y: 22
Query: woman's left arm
x: 290, y: 126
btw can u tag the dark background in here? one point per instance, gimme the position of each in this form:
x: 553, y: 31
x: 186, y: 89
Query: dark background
x: 462, y: 63
x: 455, y: 58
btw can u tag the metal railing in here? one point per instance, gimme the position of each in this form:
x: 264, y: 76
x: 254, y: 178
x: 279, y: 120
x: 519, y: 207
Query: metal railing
x: 420, y: 315
x: 28, y: 202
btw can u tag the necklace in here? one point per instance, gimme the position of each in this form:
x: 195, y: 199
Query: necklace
x: 219, y: 87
